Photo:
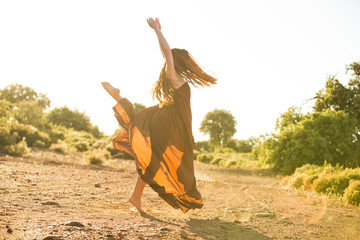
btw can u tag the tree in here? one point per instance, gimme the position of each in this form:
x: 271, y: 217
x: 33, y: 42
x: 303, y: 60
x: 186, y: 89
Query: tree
x: 17, y: 93
x: 30, y: 113
x: 138, y: 107
x: 327, y: 135
x: 220, y: 125
x: 70, y: 119
x: 339, y: 97
x: 292, y: 116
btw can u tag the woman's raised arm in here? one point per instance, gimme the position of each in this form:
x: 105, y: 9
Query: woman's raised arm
x: 176, y: 79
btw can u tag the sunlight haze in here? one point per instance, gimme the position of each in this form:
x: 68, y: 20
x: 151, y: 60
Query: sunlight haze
x: 267, y: 55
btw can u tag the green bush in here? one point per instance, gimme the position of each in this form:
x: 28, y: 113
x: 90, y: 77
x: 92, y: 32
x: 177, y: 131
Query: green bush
x: 300, y: 181
x: 352, y: 193
x: 18, y: 149
x: 59, y: 147
x: 30, y: 133
x: 95, y: 160
x: 328, y: 135
x: 217, y: 160
x: 5, y: 137
x: 334, y: 184
x: 56, y: 132
x: 81, y: 141
x: 224, y: 150
x: 313, y: 171
x: 204, y: 158
x: 204, y: 146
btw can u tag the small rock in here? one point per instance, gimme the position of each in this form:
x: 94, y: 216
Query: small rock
x: 97, y: 185
x: 184, y: 234
x: 74, y: 224
x: 237, y: 221
x: 164, y: 229
x: 53, y: 237
x: 265, y: 215
x: 50, y: 203
x: 314, y: 233
x: 9, y: 230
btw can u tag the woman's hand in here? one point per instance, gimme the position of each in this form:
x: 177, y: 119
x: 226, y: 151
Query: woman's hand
x: 154, y: 24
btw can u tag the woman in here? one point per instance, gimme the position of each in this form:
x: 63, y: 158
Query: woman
x: 160, y: 137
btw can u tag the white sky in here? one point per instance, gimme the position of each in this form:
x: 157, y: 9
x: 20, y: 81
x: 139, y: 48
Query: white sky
x: 267, y: 55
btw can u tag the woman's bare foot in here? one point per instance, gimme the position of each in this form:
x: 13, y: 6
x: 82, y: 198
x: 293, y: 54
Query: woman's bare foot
x: 114, y: 92
x: 137, y: 203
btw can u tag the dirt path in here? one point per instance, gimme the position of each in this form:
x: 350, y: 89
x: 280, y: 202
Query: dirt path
x: 42, y: 195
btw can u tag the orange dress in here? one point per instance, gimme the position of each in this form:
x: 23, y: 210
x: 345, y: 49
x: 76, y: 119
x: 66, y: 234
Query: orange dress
x: 161, y: 141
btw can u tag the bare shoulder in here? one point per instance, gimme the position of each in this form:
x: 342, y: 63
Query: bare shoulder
x: 176, y: 80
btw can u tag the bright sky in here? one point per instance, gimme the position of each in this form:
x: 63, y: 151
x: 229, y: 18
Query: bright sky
x: 267, y: 55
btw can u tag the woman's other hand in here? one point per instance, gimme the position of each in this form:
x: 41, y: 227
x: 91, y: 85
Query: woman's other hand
x: 154, y: 24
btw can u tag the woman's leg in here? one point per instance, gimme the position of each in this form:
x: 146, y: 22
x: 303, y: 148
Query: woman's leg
x: 136, y: 196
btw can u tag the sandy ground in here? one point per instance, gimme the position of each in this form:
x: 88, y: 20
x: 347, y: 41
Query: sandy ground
x: 51, y: 196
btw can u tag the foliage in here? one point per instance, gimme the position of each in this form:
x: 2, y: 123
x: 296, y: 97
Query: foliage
x: 6, y: 138
x: 220, y: 125
x: 59, y: 147
x: 339, y: 97
x: 30, y: 133
x: 69, y: 118
x: 352, y: 193
x: 334, y: 184
x: 95, y: 160
x: 244, y: 146
x: 224, y: 150
x: 230, y: 160
x: 17, y: 149
x: 5, y: 111
x: 291, y: 117
x: 30, y: 113
x: 82, y: 141
x: 204, y: 146
x: 327, y: 135
x: 16, y: 93
x: 138, y: 107
x: 205, y: 158
x: 332, y: 181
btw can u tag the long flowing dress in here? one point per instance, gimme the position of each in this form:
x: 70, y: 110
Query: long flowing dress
x: 160, y: 140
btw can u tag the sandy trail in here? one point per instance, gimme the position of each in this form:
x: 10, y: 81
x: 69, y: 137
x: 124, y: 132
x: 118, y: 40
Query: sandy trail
x: 51, y: 196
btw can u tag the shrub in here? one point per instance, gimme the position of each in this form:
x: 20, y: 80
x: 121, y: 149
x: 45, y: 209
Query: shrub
x: 56, y: 132
x: 224, y: 150
x: 352, y: 193
x: 204, y: 146
x: 5, y: 137
x: 300, y: 181
x: 30, y: 133
x: 204, y: 158
x: 59, y: 147
x: 95, y: 160
x: 18, y: 149
x: 334, y: 184
x: 217, y: 160
x: 328, y: 135
x: 313, y: 171
x: 80, y: 140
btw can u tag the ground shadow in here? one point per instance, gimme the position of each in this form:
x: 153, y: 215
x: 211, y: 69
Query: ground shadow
x: 244, y: 172
x: 148, y: 216
x: 218, y: 229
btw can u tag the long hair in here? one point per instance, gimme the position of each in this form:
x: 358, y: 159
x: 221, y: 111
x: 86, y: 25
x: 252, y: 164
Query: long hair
x: 186, y: 66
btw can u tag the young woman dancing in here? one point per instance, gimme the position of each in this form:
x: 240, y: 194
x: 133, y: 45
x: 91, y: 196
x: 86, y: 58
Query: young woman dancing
x: 160, y: 137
